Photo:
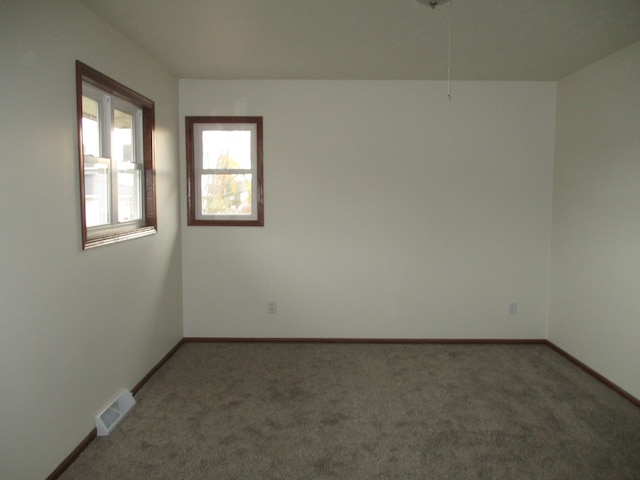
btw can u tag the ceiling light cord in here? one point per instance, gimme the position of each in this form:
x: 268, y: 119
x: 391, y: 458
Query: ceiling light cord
x: 433, y: 4
x: 449, y: 56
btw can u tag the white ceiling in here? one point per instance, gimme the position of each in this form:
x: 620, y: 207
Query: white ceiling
x: 375, y: 39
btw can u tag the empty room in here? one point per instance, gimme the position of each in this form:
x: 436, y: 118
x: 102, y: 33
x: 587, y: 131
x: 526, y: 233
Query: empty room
x: 418, y: 258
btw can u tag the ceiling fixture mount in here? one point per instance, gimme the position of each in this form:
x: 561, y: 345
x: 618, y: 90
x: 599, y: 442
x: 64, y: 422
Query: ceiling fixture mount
x: 432, y: 3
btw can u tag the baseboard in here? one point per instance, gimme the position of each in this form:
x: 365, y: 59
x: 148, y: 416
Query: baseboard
x: 623, y: 393
x: 157, y: 366
x: 73, y: 455
x: 426, y: 341
x: 66, y: 463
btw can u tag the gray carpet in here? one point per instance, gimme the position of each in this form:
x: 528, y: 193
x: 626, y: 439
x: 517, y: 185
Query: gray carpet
x: 338, y: 411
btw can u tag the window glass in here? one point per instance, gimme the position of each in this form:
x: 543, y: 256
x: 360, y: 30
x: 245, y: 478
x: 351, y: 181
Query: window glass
x: 226, y: 194
x: 90, y: 127
x: 226, y: 149
x: 129, y: 193
x: 122, y: 142
x: 96, y: 188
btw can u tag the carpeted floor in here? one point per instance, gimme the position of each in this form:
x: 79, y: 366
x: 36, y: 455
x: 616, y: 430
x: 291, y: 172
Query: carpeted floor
x: 376, y: 411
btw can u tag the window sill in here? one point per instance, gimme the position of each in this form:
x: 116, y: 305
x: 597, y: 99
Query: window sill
x: 108, y: 239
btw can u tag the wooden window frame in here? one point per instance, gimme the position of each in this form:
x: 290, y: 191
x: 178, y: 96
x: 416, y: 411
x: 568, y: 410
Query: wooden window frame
x: 148, y: 224
x: 193, y: 198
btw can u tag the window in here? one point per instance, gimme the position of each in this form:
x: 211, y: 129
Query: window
x: 224, y: 171
x: 115, y: 143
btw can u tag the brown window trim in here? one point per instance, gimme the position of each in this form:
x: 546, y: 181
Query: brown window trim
x: 192, y: 220
x: 85, y: 73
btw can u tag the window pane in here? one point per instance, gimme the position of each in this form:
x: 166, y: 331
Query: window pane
x: 96, y: 193
x: 226, y: 194
x: 122, y: 142
x: 90, y: 127
x: 226, y: 149
x: 129, y: 195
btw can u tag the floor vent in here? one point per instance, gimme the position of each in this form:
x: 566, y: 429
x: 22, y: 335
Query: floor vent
x: 108, y: 418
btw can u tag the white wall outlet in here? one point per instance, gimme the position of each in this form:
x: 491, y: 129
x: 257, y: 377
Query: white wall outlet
x: 272, y: 307
x: 513, y: 308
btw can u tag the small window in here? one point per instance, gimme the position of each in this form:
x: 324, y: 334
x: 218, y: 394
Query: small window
x: 224, y: 171
x: 115, y: 143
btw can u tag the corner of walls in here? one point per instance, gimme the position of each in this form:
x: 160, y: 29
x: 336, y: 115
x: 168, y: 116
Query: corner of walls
x: 595, y: 306
x: 550, y: 256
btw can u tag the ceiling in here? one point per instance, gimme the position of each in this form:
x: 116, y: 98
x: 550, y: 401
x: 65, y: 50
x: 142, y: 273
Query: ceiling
x: 375, y: 39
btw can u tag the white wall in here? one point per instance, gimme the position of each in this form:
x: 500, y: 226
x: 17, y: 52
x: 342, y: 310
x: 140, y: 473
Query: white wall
x: 595, y: 301
x: 390, y: 212
x: 76, y: 326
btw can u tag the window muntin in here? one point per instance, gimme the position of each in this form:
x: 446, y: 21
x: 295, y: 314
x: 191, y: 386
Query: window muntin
x: 224, y: 170
x: 116, y: 160
x: 112, y: 160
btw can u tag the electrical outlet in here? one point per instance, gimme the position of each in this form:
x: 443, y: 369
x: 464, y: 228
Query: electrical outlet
x: 272, y: 307
x: 513, y: 308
